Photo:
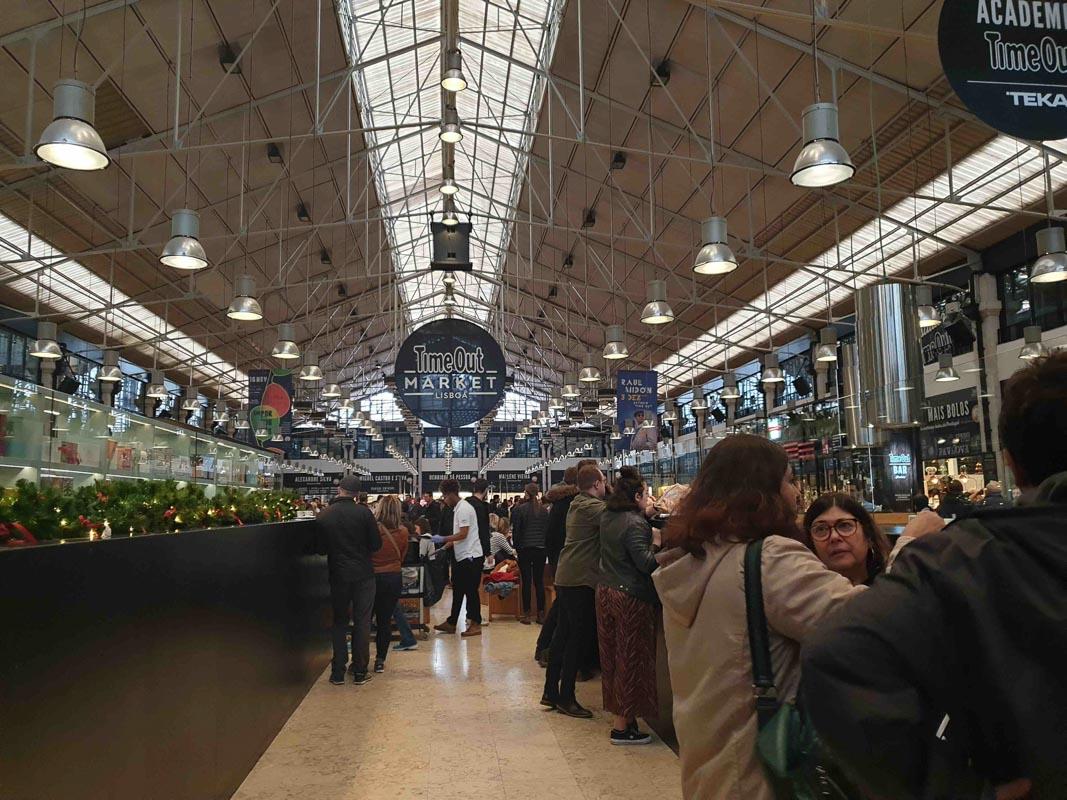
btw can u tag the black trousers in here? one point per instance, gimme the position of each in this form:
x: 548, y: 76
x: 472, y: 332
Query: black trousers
x: 386, y: 596
x: 359, y: 596
x: 532, y: 570
x: 575, y: 630
x: 466, y: 578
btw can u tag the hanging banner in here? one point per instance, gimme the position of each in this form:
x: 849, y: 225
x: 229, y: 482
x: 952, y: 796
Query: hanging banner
x: 450, y: 373
x: 950, y: 425
x: 636, y: 403
x: 270, y: 409
x: 1007, y: 62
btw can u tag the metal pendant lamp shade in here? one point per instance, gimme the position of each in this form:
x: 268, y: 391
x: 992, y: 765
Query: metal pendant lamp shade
x: 110, y: 371
x: 450, y: 295
x: 451, y: 132
x: 1034, y: 347
x: 1051, y: 263
x: 772, y: 373
x: 670, y: 412
x: 826, y: 350
x: 310, y: 371
x: 715, y: 256
x: 590, y: 373
x: 570, y: 389
x: 729, y: 388
x: 449, y: 216
x: 556, y: 403
x: 657, y: 310
x: 616, y: 434
x: 222, y: 413
x: 70, y: 140
x: 347, y: 403
x: 448, y: 181
x: 240, y: 419
x: 924, y: 302
x: 615, y: 343
x: 453, y: 80
x: 183, y: 250
x: 46, y: 345
x: 822, y: 160
x: 449, y: 278
x: 946, y: 373
x: 699, y: 403
x: 191, y: 401
x: 377, y: 436
x: 285, y: 348
x: 157, y: 387
x: 628, y: 430
x: 244, y: 306
x: 331, y: 389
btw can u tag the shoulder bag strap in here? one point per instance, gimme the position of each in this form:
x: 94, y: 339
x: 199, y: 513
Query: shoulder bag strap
x: 388, y: 534
x: 758, y: 637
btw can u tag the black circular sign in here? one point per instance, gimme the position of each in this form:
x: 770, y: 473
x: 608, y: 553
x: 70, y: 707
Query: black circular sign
x: 1007, y: 61
x: 450, y: 373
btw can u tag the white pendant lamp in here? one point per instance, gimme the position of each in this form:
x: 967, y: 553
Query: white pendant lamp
x: 657, y: 310
x: 946, y: 373
x: 450, y: 296
x: 46, y: 345
x: 451, y: 132
x: 191, y: 401
x: 670, y: 412
x: 772, y: 373
x: 222, y: 413
x: 448, y: 181
x: 699, y: 403
x: 331, y: 389
x: 826, y: 350
x: 822, y: 160
x: 729, y: 388
x: 377, y: 436
x: 245, y: 306
x: 1034, y: 347
x: 590, y: 373
x: 157, y: 386
x: 570, y: 389
x: 310, y: 371
x: 628, y: 430
x: 70, y: 140
x: 240, y: 419
x: 1051, y: 263
x: 449, y: 217
x: 616, y: 434
x: 924, y: 302
x: 183, y: 250
x: 555, y: 403
x: 715, y: 256
x: 615, y: 343
x: 449, y: 278
x: 453, y: 80
x: 110, y: 371
x: 285, y: 348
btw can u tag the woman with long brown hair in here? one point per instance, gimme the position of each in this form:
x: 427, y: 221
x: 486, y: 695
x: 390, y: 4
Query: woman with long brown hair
x: 743, y: 493
x: 388, y: 562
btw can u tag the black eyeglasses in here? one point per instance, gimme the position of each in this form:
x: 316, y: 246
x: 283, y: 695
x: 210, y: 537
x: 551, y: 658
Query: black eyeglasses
x: 820, y: 531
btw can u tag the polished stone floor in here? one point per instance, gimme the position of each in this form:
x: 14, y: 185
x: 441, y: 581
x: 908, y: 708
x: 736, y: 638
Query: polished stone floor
x: 457, y: 718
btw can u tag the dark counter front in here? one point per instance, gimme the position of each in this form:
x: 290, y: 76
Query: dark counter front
x: 155, y: 667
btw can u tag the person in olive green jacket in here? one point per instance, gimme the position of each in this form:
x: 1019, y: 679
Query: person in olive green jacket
x: 577, y: 575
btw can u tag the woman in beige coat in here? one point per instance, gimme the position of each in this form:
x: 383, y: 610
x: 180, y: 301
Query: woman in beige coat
x: 743, y: 492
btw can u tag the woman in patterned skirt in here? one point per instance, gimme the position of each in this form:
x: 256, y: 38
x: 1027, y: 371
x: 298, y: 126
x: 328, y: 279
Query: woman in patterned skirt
x: 626, y: 606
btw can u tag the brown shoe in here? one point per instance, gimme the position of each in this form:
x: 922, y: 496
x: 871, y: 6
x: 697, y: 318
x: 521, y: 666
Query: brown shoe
x: 473, y: 629
x: 445, y: 627
x: 524, y: 619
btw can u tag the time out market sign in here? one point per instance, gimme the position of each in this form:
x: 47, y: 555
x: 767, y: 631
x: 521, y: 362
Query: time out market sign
x: 450, y: 373
x: 1007, y: 61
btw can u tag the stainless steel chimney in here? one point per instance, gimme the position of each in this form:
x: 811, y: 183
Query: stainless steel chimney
x: 890, y: 361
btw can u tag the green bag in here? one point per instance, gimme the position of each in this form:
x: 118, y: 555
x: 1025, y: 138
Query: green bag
x: 796, y: 762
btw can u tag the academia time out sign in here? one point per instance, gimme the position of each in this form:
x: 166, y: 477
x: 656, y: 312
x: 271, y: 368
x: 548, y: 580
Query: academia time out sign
x: 1007, y: 61
x: 450, y: 373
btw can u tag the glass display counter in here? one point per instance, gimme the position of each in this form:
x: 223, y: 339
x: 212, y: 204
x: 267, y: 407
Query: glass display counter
x: 53, y: 438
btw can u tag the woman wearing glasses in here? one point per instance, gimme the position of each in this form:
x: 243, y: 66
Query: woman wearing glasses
x: 844, y: 536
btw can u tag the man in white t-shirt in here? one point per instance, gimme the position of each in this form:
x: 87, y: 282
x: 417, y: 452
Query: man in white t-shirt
x: 467, y: 571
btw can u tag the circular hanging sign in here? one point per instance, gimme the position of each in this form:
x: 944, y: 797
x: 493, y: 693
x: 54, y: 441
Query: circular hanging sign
x: 450, y: 373
x: 1007, y: 61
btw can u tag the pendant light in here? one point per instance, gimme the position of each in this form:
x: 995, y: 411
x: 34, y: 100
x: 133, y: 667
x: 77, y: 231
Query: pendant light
x: 183, y: 250
x: 1051, y: 263
x: 452, y: 80
x: 772, y: 373
x: 657, y: 311
x: 347, y: 403
x: 244, y: 306
x: 628, y: 430
x: 240, y: 419
x: 157, y: 386
x: 310, y: 370
x: 46, y: 345
x: 670, y: 411
x: 222, y: 413
x: 451, y: 132
x: 377, y: 436
x: 285, y: 348
x: 110, y: 371
x: 715, y: 256
x: 555, y: 403
x: 826, y: 350
x: 1034, y: 347
x: 450, y: 296
x: 590, y: 373
x: 191, y: 401
x: 449, y: 217
x: 70, y: 140
x: 946, y: 373
x: 448, y: 181
x: 699, y: 403
x: 449, y: 278
x: 570, y: 389
x: 924, y: 301
x: 331, y: 389
x: 615, y: 343
x: 615, y: 433
x: 822, y: 160
x: 729, y: 388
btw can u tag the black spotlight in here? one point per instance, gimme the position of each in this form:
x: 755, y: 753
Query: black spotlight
x: 802, y: 386
x: 719, y: 416
x: 618, y: 161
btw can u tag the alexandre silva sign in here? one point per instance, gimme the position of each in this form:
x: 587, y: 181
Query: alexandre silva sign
x: 450, y: 373
x: 1007, y: 61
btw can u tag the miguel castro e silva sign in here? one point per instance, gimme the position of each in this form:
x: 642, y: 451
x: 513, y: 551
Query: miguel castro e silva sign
x: 1007, y: 61
x: 450, y: 373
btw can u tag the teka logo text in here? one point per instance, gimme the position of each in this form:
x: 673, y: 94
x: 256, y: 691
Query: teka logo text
x: 1038, y: 99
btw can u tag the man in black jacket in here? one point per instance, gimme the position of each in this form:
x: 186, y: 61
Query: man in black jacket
x: 946, y: 678
x: 481, y: 508
x: 349, y: 534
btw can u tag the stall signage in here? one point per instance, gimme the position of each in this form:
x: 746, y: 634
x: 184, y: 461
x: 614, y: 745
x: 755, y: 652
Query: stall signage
x: 507, y: 481
x: 431, y: 481
x: 1007, y: 62
x: 950, y: 426
x: 311, y: 484
x: 955, y: 337
x: 450, y: 373
x: 386, y: 483
x: 636, y: 403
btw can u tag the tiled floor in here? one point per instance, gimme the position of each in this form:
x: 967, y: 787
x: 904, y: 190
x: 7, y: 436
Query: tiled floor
x: 457, y: 718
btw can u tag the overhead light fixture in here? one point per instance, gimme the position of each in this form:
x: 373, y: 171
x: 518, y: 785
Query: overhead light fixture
x: 570, y: 389
x: 274, y: 153
x: 826, y: 350
x: 729, y: 388
x: 191, y: 402
x: 452, y: 80
x: 715, y: 256
x: 618, y: 160
x: 331, y: 389
x: 240, y: 419
x: 157, y: 386
x: 448, y: 180
x: 924, y: 302
x: 450, y: 296
x: 302, y: 213
x: 628, y: 430
x: 822, y: 160
x: 377, y: 436
x: 324, y: 257
x: 590, y: 373
x: 285, y: 348
x: 699, y: 403
x: 772, y: 373
x: 244, y: 305
x: 451, y: 132
x: 110, y: 371
x: 310, y: 370
x: 1051, y: 263
x: 449, y: 279
x: 228, y: 59
x: 946, y: 373
x: 46, y: 345
x: 670, y: 412
x: 657, y: 311
x: 1034, y: 347
x: 449, y: 217
x: 183, y: 250
x: 555, y: 402
x: 615, y: 343
x: 70, y: 140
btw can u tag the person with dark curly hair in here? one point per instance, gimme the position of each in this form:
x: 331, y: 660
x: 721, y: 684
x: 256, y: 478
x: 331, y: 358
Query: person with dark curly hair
x: 845, y: 537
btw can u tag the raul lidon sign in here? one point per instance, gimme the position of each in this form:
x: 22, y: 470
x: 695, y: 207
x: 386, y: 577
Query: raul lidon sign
x: 450, y: 373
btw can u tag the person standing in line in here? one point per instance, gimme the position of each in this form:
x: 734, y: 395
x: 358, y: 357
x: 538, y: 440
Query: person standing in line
x: 528, y: 525
x: 481, y: 510
x: 388, y: 561
x: 467, y: 569
x: 577, y: 575
x: 349, y: 536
